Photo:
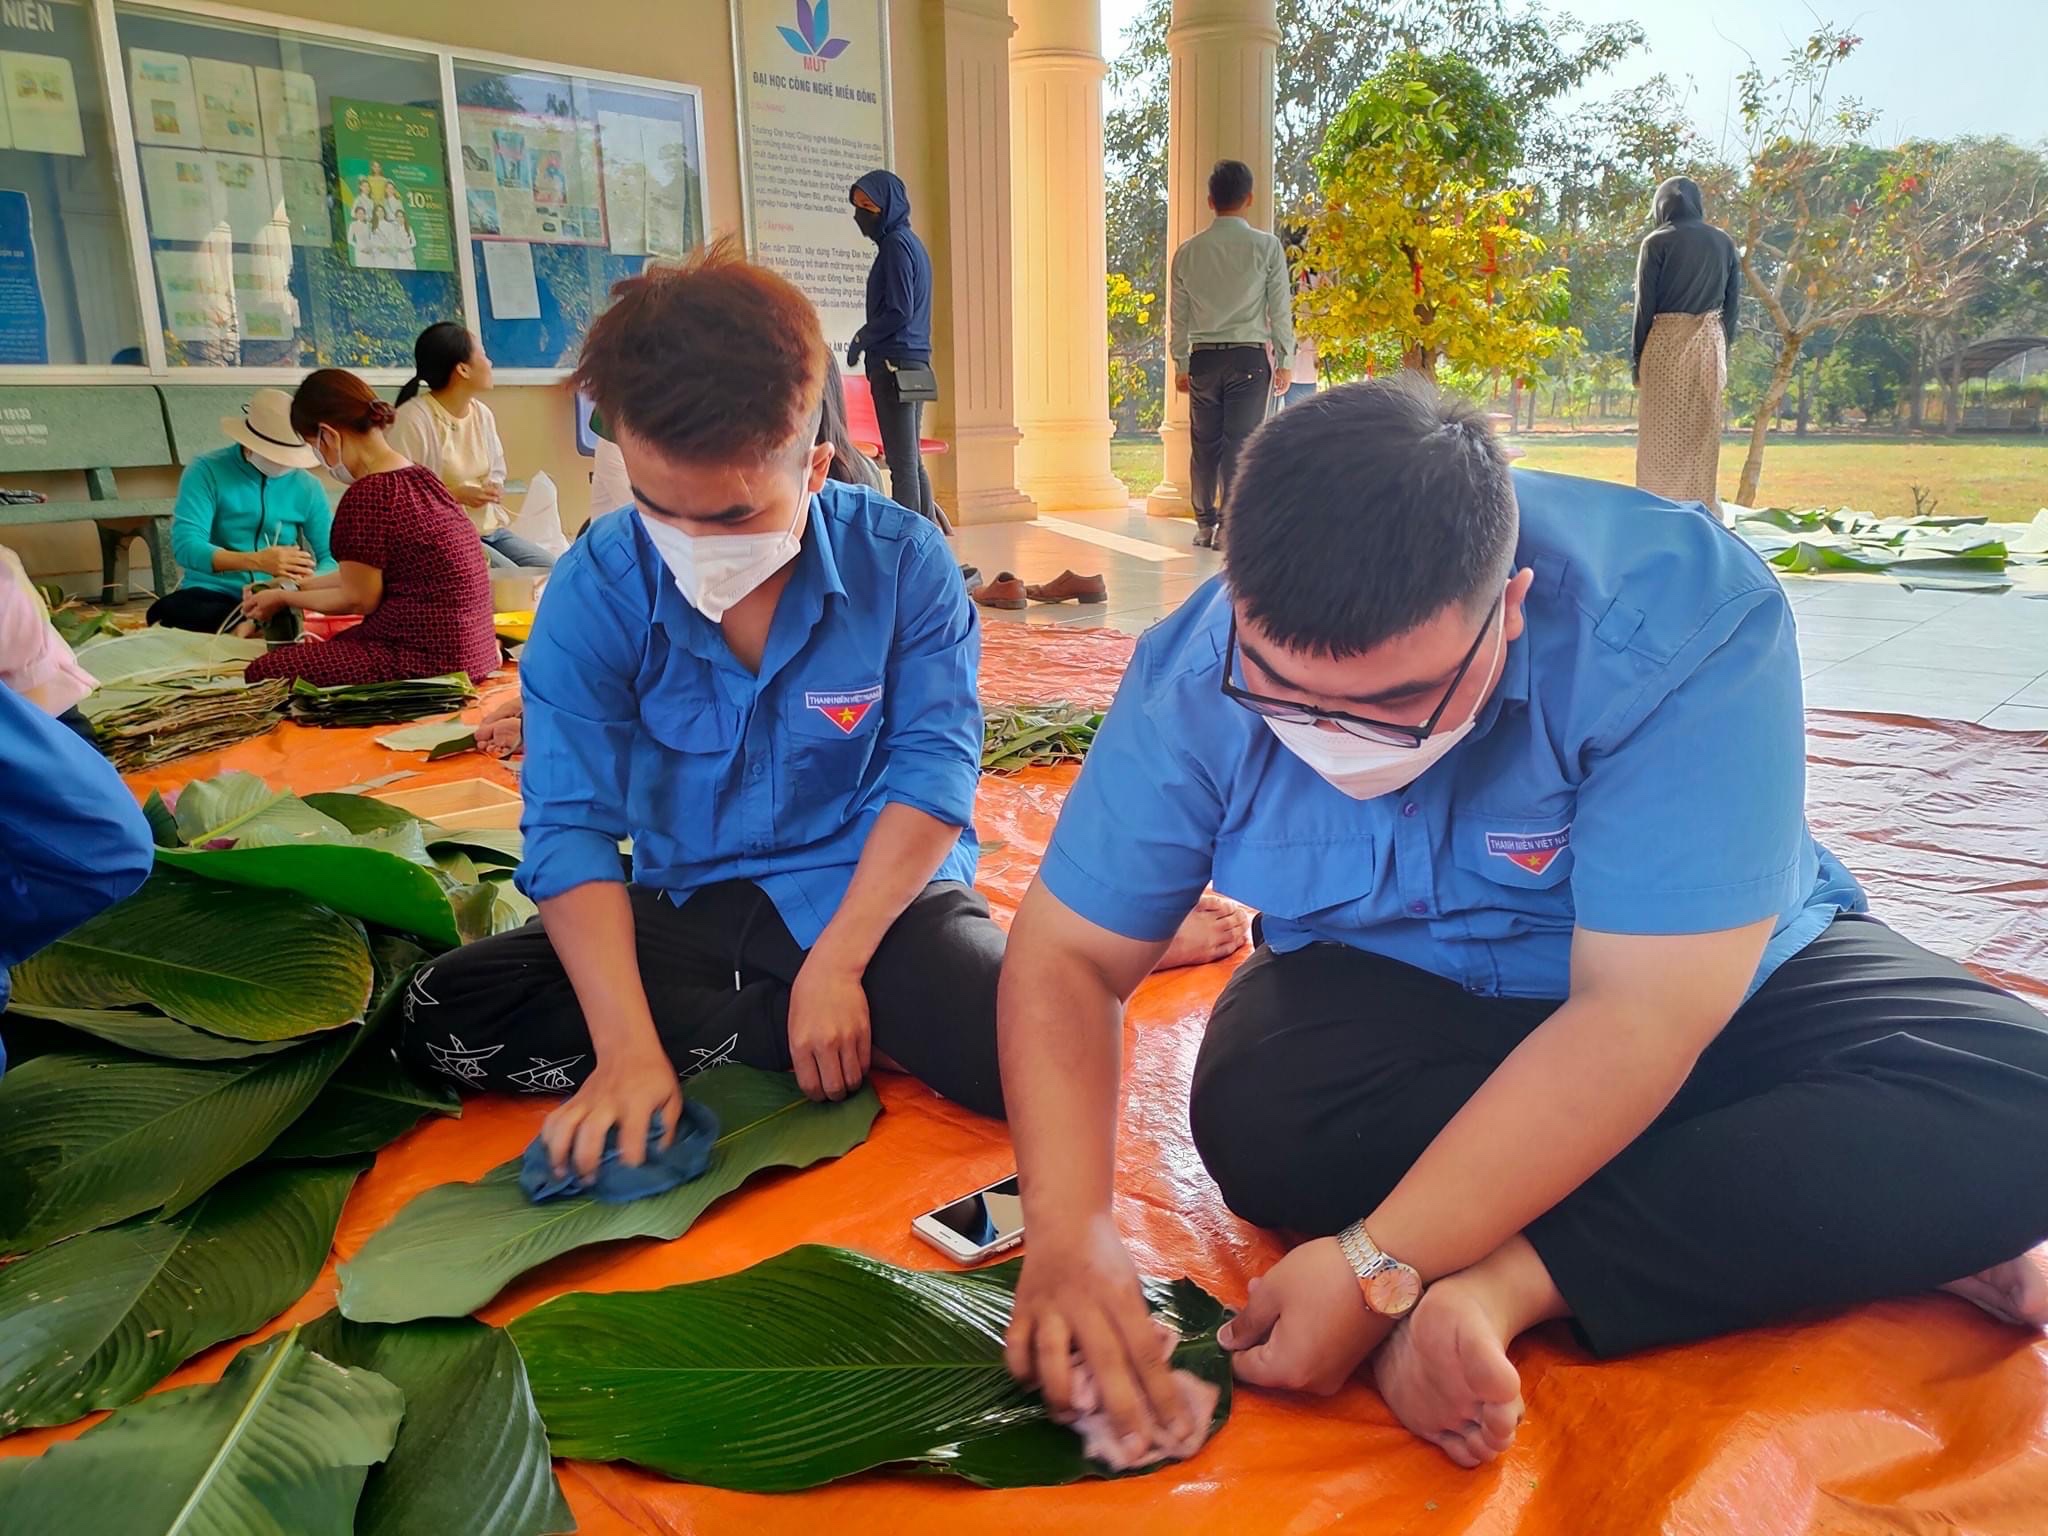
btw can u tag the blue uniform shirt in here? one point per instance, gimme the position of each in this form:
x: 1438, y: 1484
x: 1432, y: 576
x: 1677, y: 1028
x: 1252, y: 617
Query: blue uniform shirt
x: 1640, y: 769
x: 72, y: 840
x: 641, y: 723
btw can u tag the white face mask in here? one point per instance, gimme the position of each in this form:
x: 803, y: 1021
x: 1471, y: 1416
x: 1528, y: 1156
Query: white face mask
x: 715, y: 572
x: 338, y: 469
x: 268, y: 470
x: 1366, y: 769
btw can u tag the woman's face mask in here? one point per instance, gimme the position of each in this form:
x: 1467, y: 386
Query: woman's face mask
x: 333, y: 466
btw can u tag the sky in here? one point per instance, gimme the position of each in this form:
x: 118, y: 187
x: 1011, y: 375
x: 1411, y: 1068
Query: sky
x: 1931, y: 70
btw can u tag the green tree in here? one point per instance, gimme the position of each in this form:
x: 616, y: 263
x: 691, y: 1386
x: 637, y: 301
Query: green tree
x: 1832, y: 231
x: 1424, y: 260
x: 1328, y: 48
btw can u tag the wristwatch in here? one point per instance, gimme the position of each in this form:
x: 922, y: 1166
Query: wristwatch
x: 1390, y: 1287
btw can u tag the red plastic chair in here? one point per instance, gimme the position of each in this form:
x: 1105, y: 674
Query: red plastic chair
x: 861, y: 425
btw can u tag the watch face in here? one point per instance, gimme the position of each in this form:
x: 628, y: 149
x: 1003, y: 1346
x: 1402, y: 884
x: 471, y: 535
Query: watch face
x: 1393, y: 1292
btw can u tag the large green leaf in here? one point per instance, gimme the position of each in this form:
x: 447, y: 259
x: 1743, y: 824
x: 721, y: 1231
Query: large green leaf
x: 501, y: 846
x: 359, y: 813
x: 281, y: 1443
x: 148, y: 1032
x: 456, y: 1246
x: 91, y: 1138
x: 368, y: 1104
x: 472, y: 1456
x: 163, y: 826
x: 446, y: 738
x: 815, y: 1365
x: 380, y: 884
x: 97, y: 1321
x: 255, y: 965
x: 241, y: 808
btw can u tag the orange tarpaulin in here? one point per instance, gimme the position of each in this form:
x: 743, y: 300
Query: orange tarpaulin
x: 1911, y: 1416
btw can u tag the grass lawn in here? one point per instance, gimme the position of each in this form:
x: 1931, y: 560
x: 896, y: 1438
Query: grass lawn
x: 2002, y: 479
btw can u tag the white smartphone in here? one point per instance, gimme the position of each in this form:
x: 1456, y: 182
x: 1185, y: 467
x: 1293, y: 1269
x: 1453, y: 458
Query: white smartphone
x: 971, y: 1228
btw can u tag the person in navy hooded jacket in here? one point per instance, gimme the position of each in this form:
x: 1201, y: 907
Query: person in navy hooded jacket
x: 899, y: 329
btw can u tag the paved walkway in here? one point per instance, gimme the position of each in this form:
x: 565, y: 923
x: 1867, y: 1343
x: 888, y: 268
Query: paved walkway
x: 1866, y: 643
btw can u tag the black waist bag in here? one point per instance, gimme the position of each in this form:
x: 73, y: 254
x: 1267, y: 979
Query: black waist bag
x: 915, y: 382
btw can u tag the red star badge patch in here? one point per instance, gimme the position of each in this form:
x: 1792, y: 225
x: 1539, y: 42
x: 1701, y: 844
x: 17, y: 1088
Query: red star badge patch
x: 845, y: 708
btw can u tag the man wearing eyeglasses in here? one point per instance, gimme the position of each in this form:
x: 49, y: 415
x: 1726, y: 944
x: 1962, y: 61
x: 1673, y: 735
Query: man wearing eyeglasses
x: 1560, y: 1010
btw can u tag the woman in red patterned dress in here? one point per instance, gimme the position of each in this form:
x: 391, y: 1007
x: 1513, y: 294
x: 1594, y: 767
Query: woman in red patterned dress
x: 407, y: 553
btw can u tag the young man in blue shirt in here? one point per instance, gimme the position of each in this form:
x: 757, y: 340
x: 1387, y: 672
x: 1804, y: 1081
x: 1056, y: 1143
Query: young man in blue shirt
x: 1560, y: 1010
x: 766, y: 681
x: 72, y: 839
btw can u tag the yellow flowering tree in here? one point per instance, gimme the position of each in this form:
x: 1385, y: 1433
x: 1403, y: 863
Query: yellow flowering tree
x: 1136, y: 381
x: 1418, y: 258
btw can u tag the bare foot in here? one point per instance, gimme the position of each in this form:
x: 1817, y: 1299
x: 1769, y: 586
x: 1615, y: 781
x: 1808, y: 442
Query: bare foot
x: 2013, y: 1292
x: 1215, y: 930
x: 1445, y: 1373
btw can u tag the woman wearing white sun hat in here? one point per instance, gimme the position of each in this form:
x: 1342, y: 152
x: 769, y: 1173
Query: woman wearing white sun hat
x: 246, y: 512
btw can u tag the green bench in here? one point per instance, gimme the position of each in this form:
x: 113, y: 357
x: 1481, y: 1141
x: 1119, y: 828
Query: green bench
x: 95, y: 429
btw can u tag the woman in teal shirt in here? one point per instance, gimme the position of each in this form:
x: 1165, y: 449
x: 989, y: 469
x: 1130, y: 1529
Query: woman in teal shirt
x: 246, y: 512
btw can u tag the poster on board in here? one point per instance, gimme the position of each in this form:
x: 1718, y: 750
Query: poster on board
x: 265, y: 306
x: 650, y: 198
x: 300, y: 187
x: 183, y: 194
x: 161, y: 97
x: 531, y: 178
x: 249, y: 201
x: 394, y: 186
x: 24, y: 327
x: 198, y: 295
x: 290, y: 105
x: 42, y: 103
x: 227, y: 106
x: 814, y: 119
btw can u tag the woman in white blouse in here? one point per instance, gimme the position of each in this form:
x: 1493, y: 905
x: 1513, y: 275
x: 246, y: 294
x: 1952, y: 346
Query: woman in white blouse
x: 446, y: 428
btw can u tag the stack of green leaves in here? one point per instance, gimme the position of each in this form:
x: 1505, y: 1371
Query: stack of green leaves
x: 201, y: 1073
x: 1017, y: 736
x: 324, y: 1430
x: 166, y: 693
x: 1942, y: 553
x: 410, y: 698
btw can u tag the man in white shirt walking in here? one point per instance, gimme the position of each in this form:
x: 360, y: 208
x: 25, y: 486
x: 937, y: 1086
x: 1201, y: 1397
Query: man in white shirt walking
x: 1232, y: 334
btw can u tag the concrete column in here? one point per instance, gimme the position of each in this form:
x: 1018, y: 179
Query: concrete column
x: 1221, y: 108
x: 968, y: 90
x: 1056, y: 73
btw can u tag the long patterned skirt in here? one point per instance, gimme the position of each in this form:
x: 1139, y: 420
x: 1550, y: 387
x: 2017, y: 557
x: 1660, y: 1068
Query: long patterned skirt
x: 1678, y: 438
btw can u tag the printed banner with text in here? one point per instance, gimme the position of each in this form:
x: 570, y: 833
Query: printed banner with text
x: 815, y: 103
x: 394, y: 186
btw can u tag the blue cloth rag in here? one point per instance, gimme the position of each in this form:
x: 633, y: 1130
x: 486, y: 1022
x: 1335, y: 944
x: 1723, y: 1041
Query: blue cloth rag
x: 686, y: 1158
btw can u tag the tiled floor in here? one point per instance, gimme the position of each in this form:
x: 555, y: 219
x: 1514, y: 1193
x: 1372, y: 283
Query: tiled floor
x: 1865, y: 643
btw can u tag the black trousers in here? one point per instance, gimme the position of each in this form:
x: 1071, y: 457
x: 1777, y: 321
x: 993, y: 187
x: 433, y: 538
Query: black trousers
x: 500, y: 1014
x: 1229, y: 389
x: 200, y: 609
x: 1873, y: 1122
x: 901, y: 421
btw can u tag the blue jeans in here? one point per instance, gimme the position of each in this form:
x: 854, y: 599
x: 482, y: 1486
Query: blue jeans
x: 1296, y: 393
x: 506, y: 551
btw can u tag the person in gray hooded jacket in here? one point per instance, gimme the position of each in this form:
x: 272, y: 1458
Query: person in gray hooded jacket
x: 1688, y: 288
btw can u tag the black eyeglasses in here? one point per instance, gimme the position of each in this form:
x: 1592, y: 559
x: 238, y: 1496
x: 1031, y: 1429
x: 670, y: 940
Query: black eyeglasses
x: 1394, y: 735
